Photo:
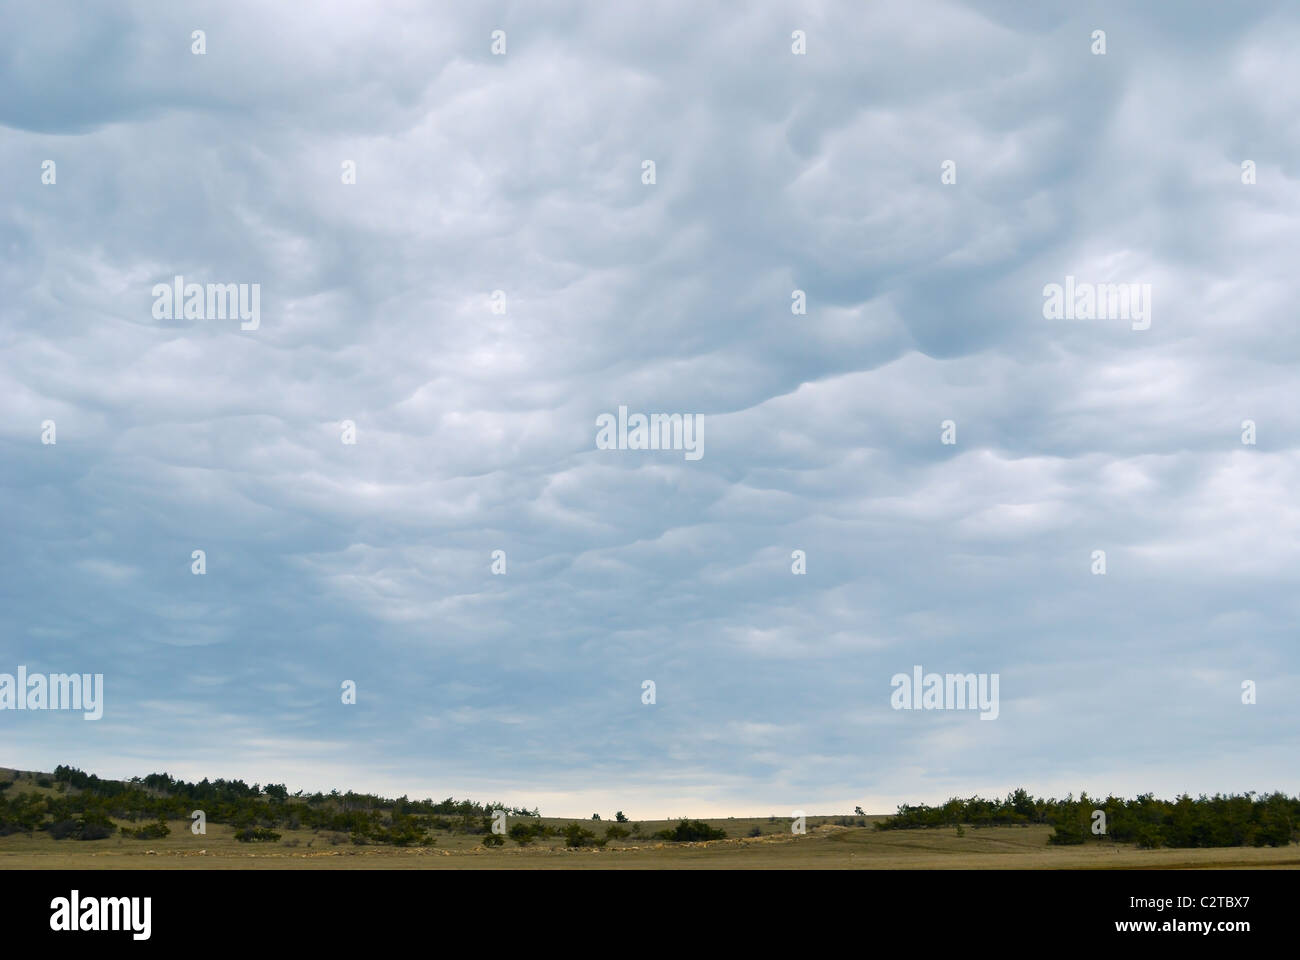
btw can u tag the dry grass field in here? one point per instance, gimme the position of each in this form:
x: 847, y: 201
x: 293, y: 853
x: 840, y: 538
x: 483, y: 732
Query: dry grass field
x: 831, y: 842
x: 825, y: 846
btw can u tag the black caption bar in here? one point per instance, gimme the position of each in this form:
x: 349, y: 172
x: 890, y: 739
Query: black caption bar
x: 334, y: 908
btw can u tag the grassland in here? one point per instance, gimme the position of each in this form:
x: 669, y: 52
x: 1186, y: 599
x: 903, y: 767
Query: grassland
x: 831, y: 842
x: 826, y: 846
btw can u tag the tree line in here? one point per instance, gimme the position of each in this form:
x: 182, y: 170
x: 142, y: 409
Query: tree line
x: 1232, y: 820
x: 88, y: 809
x: 83, y: 806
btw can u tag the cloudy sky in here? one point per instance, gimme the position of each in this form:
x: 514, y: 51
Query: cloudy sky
x: 475, y: 429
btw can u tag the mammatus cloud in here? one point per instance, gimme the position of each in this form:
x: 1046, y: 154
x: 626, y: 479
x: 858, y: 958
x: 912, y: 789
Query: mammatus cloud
x: 839, y: 266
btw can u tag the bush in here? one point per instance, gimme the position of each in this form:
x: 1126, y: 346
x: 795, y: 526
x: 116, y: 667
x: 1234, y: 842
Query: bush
x: 692, y: 830
x: 88, y: 827
x: 1068, y: 833
x: 257, y: 835
x: 493, y: 840
x: 399, y: 835
x: 615, y: 832
x: 525, y: 833
x: 150, y: 831
x: 95, y: 827
x: 576, y: 836
x: 619, y: 817
x: 755, y: 831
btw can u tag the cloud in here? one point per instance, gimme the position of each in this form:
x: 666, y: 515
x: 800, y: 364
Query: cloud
x: 475, y: 430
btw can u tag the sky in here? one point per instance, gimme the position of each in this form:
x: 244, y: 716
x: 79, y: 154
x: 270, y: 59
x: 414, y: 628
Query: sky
x: 921, y: 173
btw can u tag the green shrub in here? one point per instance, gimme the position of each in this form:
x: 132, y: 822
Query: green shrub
x: 525, y: 833
x: 402, y: 834
x: 150, y: 831
x: 576, y: 836
x: 87, y: 827
x: 1069, y: 831
x: 256, y: 835
x: 692, y: 830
